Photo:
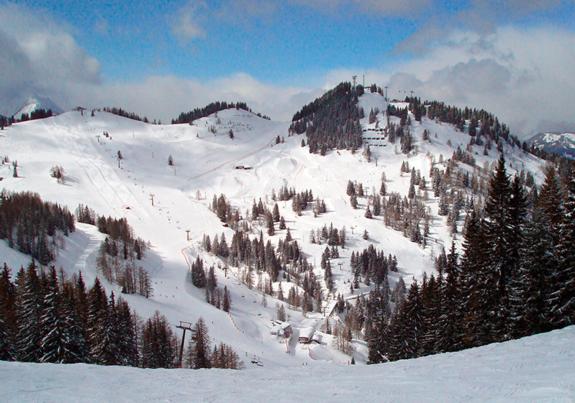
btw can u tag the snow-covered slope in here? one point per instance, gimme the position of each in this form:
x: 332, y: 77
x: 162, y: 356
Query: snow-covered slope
x: 34, y: 103
x: 534, y: 369
x: 205, y: 159
x: 556, y: 143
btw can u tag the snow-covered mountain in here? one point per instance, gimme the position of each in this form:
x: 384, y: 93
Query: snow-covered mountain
x: 246, y: 167
x: 534, y: 369
x: 34, y: 103
x: 562, y: 144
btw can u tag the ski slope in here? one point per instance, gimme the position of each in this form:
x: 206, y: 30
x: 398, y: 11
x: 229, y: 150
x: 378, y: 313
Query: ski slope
x: 205, y: 159
x: 534, y: 369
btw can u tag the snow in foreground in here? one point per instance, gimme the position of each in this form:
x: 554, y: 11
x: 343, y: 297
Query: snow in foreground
x: 537, y: 368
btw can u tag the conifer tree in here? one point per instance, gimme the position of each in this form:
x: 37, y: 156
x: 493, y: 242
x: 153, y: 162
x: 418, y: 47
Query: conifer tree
x: 531, y: 293
x: 97, y: 316
x: 499, y: 237
x: 227, y: 300
x: 475, y: 283
x: 200, y: 346
x: 449, y: 324
x: 52, y: 325
x: 563, y: 311
x: 30, y: 301
x: 157, y: 343
x: 7, y: 315
x: 77, y: 349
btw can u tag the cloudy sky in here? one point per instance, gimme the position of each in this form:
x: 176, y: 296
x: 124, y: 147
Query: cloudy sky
x: 158, y: 58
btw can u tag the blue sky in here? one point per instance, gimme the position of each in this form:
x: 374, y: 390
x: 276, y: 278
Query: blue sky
x: 274, y: 41
x: 282, y: 45
x: 189, y: 52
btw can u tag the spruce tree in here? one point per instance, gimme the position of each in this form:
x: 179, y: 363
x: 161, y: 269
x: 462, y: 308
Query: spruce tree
x: 475, y: 283
x: 563, y: 310
x: 200, y: 349
x: 499, y: 237
x: 8, y: 324
x: 52, y: 325
x: 97, y: 316
x: 449, y: 325
x: 29, y: 302
x: 534, y: 279
x: 517, y: 214
x: 77, y: 349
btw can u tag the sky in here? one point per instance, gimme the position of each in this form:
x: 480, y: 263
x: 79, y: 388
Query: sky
x: 160, y: 58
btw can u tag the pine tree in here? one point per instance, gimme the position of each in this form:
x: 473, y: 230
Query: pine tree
x: 534, y: 279
x: 107, y: 350
x: 449, y: 324
x: 475, y: 283
x: 549, y: 203
x: 52, y: 324
x: 377, y: 331
x: 128, y: 334
x: 411, y: 321
x: 77, y: 349
x: 8, y: 324
x: 430, y: 300
x: 6, y: 353
x: 517, y: 213
x: 29, y: 302
x: 200, y: 347
x: 97, y: 316
x: 227, y: 300
x: 158, y: 349
x: 563, y: 311
x: 499, y: 237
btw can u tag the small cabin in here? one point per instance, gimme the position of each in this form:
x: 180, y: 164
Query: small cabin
x: 282, y: 329
x: 306, y: 335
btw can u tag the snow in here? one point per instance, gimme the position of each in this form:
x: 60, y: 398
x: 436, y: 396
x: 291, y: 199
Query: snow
x: 558, y: 143
x: 34, y: 103
x: 534, y: 369
x: 205, y: 166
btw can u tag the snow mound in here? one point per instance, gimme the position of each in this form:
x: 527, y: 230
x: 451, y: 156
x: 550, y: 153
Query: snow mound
x: 537, y: 368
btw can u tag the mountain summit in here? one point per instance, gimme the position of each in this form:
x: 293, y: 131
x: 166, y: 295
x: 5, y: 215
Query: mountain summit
x: 562, y: 144
x: 34, y: 103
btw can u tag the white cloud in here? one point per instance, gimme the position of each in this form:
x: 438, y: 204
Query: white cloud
x: 185, y: 23
x: 380, y: 7
x: 165, y: 97
x: 522, y: 75
x: 39, y: 57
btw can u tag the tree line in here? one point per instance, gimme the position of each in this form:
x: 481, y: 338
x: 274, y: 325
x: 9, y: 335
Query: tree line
x: 515, y: 277
x: 119, y: 252
x: 32, y: 226
x: 211, y: 108
x: 331, y: 121
x: 46, y: 317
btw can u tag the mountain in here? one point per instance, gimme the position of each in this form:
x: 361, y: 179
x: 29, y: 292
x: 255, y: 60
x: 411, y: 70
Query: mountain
x: 376, y: 205
x: 534, y: 369
x: 37, y: 102
x: 562, y: 144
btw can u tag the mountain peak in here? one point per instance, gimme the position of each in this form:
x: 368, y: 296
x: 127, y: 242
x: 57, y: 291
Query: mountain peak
x: 35, y: 102
x: 562, y: 144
